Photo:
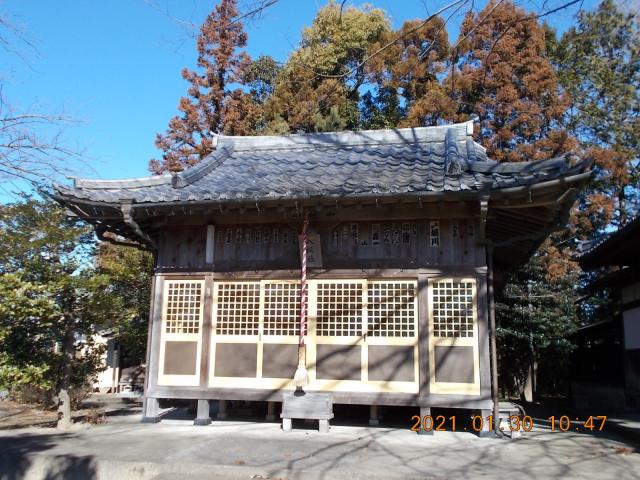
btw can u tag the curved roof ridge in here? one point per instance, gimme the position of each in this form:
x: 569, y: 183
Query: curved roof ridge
x: 199, y: 170
x: 227, y: 145
x: 438, y: 133
x: 560, y: 162
x: 151, y: 181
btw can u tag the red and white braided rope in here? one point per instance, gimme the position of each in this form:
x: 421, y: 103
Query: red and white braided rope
x: 303, y: 281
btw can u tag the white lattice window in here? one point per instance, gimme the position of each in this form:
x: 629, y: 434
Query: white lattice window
x: 391, y: 309
x: 339, y: 309
x: 183, y: 306
x: 453, y: 308
x: 237, y: 308
x: 281, y: 309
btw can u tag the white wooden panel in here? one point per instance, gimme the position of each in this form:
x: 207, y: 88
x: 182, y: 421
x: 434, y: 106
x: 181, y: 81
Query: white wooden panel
x: 182, y: 317
x: 453, y: 321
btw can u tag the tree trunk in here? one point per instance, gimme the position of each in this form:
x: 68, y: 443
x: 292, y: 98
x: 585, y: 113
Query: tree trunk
x: 622, y: 207
x: 534, y: 371
x: 529, y: 390
x: 64, y: 399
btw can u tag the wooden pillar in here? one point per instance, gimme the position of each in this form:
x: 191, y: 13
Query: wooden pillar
x: 492, y: 342
x: 374, y: 421
x: 203, y: 417
x: 423, y: 335
x: 150, y: 410
x: 206, y: 331
x: 286, y: 424
x: 209, y: 254
x: 271, y: 409
x: 155, y: 333
x: 425, y: 411
x: 323, y: 426
x: 222, y: 410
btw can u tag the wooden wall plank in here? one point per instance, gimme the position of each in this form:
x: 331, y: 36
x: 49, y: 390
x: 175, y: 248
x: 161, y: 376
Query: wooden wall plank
x: 378, y: 244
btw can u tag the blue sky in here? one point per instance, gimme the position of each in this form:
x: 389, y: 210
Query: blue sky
x: 115, y: 65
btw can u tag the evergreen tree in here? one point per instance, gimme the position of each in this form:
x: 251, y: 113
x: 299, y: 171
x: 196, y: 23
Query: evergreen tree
x: 56, y: 292
x: 260, y: 76
x: 535, y: 318
x: 212, y: 106
x: 48, y: 310
x: 598, y: 64
x: 126, y: 273
x: 319, y: 87
x: 380, y: 108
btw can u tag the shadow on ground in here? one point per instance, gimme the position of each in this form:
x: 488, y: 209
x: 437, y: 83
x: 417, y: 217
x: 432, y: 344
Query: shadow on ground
x: 18, y: 454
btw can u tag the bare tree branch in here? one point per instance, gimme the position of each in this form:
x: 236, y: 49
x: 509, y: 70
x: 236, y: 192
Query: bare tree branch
x: 260, y: 7
x: 255, y: 9
x: 10, y: 34
x: 341, y: 9
x: 32, y: 148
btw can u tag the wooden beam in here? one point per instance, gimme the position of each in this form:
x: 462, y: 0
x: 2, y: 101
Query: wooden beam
x: 329, y: 214
x: 436, y: 270
x: 407, y: 399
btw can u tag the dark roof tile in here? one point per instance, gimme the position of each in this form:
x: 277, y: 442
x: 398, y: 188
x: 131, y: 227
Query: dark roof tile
x: 427, y: 159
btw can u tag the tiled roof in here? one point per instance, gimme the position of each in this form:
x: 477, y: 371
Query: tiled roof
x: 612, y: 249
x: 365, y: 163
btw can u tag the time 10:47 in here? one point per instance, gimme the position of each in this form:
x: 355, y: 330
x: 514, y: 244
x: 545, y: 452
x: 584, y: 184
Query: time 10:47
x: 593, y: 422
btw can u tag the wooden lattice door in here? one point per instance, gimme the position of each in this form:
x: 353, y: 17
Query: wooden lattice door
x: 181, y: 334
x: 254, y: 335
x: 364, y: 335
x: 454, y: 364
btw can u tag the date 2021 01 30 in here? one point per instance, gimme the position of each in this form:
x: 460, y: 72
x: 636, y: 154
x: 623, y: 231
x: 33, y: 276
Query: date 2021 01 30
x: 564, y: 423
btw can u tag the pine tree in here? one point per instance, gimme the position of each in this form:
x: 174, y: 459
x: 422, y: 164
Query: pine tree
x: 211, y: 106
x: 599, y: 65
x: 535, y: 319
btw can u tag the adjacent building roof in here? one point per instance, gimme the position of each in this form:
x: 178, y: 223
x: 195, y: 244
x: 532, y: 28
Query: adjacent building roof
x: 619, y: 248
x: 348, y: 164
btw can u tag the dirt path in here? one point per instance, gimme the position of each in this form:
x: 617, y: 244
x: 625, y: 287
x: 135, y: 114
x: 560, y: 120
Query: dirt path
x: 15, y: 415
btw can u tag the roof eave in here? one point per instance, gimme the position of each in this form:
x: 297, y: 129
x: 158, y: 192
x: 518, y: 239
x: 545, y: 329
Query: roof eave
x: 597, y: 256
